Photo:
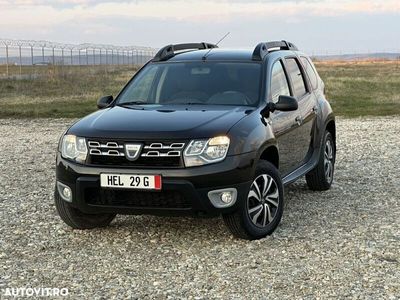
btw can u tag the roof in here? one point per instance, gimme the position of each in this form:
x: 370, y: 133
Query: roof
x: 213, y: 55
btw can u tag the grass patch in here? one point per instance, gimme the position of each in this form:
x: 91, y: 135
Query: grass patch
x: 48, y: 91
x: 362, y: 88
x: 353, y: 89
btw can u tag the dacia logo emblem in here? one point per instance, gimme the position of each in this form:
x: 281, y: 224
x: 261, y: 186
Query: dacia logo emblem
x: 132, y: 151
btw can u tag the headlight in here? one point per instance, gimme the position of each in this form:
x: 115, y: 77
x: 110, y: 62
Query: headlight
x: 74, y: 148
x: 202, y: 152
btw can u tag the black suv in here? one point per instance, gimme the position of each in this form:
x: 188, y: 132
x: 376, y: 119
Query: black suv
x: 201, y: 131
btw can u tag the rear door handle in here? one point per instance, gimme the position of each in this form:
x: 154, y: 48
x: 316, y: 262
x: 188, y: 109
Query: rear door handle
x: 299, y: 120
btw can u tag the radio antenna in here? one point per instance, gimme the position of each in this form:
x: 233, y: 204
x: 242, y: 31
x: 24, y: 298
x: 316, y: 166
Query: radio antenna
x: 205, y: 55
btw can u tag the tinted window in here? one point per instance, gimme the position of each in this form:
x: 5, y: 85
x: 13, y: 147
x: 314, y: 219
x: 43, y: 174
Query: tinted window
x: 279, y: 84
x: 299, y: 88
x: 310, y: 71
x: 210, y: 83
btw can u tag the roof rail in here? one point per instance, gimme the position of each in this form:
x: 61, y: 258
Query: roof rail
x: 263, y: 49
x: 168, y: 52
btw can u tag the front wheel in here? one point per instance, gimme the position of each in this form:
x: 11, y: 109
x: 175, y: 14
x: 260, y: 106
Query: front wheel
x: 77, y: 219
x: 261, y: 212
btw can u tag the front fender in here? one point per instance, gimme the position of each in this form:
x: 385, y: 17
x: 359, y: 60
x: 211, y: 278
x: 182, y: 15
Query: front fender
x: 251, y: 134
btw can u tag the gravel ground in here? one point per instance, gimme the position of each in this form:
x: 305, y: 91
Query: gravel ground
x: 343, y: 243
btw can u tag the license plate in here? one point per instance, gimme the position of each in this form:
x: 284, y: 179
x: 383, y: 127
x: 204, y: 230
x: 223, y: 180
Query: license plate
x: 130, y: 181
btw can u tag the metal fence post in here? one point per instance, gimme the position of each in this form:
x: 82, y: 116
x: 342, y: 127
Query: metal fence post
x: 105, y: 65
x: 20, y: 60
x: 32, y: 55
x: 131, y: 57
x: 7, y: 71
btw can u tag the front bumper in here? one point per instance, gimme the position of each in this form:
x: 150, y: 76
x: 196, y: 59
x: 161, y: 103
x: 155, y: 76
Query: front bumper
x: 184, y: 191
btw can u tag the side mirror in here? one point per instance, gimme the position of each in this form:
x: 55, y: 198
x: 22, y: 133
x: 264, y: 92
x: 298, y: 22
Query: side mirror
x: 285, y: 103
x: 105, y: 101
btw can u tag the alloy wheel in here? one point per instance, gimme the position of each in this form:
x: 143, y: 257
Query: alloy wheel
x: 263, y: 200
x: 328, y: 161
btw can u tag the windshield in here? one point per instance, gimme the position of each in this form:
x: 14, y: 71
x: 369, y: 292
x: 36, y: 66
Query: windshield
x: 208, y: 83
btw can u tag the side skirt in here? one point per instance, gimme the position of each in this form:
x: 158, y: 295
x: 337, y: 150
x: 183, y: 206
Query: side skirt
x: 304, y: 169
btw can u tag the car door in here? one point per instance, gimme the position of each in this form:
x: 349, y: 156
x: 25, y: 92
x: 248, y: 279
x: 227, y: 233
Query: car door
x: 310, y: 103
x: 285, y: 125
x: 307, y: 107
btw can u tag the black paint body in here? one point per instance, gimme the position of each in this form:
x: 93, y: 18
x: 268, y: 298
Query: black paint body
x: 292, y: 146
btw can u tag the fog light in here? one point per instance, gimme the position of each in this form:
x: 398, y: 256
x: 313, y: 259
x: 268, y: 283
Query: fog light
x: 223, y: 198
x: 67, y: 193
x: 64, y: 191
x: 226, y: 197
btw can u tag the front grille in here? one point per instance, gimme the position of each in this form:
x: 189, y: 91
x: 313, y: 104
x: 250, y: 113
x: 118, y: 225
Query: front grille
x: 152, y: 154
x: 136, y: 199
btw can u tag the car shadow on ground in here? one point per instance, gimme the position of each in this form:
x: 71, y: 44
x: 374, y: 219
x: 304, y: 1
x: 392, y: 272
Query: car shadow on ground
x: 210, y: 228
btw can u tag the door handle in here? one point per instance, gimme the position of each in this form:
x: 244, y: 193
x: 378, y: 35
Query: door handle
x: 315, y: 109
x: 299, y: 120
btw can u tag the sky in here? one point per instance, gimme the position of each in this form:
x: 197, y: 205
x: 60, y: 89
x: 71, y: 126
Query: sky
x: 334, y: 26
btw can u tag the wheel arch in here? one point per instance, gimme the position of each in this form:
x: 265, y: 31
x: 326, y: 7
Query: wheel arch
x: 270, y: 153
x: 331, y: 127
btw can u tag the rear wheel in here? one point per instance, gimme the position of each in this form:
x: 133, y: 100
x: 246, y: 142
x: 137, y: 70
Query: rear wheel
x: 261, y: 212
x: 321, y: 177
x: 79, y: 220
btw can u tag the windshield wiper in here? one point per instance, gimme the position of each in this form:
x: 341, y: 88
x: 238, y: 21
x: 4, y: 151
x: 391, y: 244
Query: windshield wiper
x: 138, y: 102
x: 193, y: 103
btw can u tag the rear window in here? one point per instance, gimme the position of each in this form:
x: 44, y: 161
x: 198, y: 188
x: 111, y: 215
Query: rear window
x: 310, y: 72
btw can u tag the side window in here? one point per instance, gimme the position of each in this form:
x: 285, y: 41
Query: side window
x: 279, y: 83
x: 299, y: 87
x: 310, y: 71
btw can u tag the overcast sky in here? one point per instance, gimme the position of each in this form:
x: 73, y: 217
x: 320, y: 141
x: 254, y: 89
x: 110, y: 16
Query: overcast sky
x: 334, y: 25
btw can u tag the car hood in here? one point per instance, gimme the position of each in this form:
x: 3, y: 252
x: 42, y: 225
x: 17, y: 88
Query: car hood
x: 160, y: 122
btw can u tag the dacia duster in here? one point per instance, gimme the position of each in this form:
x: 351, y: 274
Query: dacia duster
x: 201, y: 131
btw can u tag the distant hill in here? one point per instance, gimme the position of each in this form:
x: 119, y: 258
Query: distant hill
x: 366, y: 56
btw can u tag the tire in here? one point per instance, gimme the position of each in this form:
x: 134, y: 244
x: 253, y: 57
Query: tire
x: 320, y: 178
x: 241, y: 223
x: 77, y: 219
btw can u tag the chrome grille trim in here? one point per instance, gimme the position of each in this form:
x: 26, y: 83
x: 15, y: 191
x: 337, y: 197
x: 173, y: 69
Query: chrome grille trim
x: 158, y: 154
x: 163, y: 150
x: 112, y: 145
x: 152, y: 150
x: 106, y: 153
x: 162, y: 146
x: 106, y: 148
